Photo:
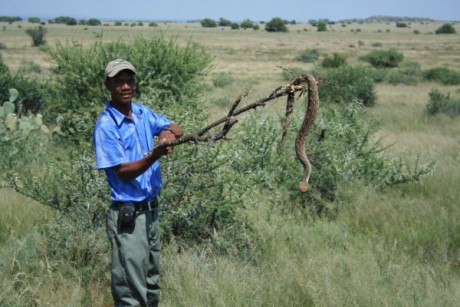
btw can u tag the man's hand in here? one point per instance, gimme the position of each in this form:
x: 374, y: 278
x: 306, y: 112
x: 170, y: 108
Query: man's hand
x: 170, y: 134
x: 164, y: 137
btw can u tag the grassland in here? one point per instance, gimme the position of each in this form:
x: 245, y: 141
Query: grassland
x: 375, y: 252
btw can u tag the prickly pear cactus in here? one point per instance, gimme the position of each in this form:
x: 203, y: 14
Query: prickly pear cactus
x: 8, y: 107
x: 13, y: 95
x: 11, y: 122
x: 36, y: 121
x: 25, y: 126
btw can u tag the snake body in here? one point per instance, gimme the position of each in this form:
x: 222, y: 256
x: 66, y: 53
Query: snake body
x: 304, y: 130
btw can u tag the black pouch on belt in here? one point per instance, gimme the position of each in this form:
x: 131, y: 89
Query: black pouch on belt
x: 126, y: 215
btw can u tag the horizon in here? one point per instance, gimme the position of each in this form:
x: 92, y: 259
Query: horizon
x: 108, y: 19
x: 237, y: 10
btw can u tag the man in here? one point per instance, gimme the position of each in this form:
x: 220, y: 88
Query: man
x: 125, y: 150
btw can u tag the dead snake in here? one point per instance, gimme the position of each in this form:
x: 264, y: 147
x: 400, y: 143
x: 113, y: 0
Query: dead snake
x: 305, y: 128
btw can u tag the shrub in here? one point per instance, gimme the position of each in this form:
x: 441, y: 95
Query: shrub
x: 440, y: 103
x: 167, y: 73
x: 321, y: 26
x: 34, y: 20
x: 383, y: 58
x: 308, y: 56
x: 235, y: 26
x: 37, y: 35
x: 400, y: 24
x: 93, y: 22
x: 222, y: 80
x: 276, y: 25
x: 208, y: 23
x: 443, y: 75
x: 247, y: 24
x: 31, y: 97
x: 346, y: 84
x: 335, y: 61
x: 224, y: 22
x: 409, y: 73
x: 446, y: 28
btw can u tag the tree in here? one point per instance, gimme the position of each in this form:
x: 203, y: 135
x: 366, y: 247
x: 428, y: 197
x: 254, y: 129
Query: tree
x: 321, y: 26
x: 224, y: 22
x: 276, y: 25
x: 246, y: 24
x: 383, y: 58
x: 93, y: 22
x: 446, y: 28
x: 235, y: 26
x: 208, y: 23
x: 34, y: 20
x: 37, y: 35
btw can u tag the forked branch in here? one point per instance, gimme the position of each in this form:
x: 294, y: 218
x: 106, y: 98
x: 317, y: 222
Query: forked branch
x: 299, y: 84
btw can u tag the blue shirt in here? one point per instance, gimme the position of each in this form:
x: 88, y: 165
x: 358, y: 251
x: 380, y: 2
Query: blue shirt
x: 119, y: 139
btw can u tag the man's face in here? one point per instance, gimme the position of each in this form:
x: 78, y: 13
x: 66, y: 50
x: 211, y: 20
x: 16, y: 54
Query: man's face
x: 122, y: 87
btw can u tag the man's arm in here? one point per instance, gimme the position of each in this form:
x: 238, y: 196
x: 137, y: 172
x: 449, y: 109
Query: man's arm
x: 130, y: 170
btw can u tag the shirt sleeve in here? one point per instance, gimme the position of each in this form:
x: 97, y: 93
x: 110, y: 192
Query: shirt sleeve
x: 108, y: 146
x: 158, y: 122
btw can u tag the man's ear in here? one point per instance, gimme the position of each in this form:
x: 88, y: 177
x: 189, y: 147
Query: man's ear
x: 106, y: 83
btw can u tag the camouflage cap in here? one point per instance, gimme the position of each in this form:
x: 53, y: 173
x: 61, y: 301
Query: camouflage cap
x: 115, y: 66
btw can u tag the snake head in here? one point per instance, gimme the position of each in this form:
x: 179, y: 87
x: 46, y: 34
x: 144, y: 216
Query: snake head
x: 303, y: 186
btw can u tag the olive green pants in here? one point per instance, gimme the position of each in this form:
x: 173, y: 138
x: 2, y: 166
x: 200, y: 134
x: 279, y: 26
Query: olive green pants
x: 135, y: 259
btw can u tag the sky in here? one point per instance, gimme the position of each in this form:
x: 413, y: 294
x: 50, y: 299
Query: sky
x: 234, y: 10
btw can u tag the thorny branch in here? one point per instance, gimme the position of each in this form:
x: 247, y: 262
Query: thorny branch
x: 299, y: 84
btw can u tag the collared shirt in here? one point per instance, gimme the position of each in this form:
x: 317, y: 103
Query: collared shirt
x: 119, y: 139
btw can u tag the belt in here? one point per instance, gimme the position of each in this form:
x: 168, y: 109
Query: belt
x: 148, y: 205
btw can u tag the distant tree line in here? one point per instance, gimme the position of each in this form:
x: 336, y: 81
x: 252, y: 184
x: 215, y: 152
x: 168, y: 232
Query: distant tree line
x: 9, y: 19
x: 387, y: 19
x: 275, y: 25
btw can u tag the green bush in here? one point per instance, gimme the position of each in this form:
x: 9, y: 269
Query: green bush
x: 34, y: 20
x: 335, y: 61
x: 223, y: 22
x: 383, y: 58
x: 441, y: 103
x: 400, y: 24
x: 321, y: 26
x: 31, y: 91
x: 70, y: 21
x: 93, y: 22
x: 37, y: 35
x: 208, y: 23
x: 167, y: 73
x: 308, y: 56
x: 446, y: 28
x: 346, y: 84
x: 222, y: 80
x: 443, y: 75
x: 247, y: 24
x: 409, y: 73
x: 276, y: 25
